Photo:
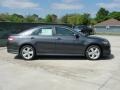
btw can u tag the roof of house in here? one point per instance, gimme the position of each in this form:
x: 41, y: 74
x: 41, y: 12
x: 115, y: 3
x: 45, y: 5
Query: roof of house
x: 110, y: 22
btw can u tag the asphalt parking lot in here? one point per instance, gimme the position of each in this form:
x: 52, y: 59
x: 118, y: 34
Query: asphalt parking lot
x: 61, y: 73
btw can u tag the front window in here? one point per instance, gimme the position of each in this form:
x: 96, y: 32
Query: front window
x: 63, y: 31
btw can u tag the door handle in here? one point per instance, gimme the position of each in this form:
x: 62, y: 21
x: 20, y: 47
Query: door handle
x: 58, y: 39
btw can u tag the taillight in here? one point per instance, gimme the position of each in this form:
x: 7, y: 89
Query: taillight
x: 10, y: 38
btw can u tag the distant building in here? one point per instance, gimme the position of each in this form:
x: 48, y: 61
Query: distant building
x: 108, y: 26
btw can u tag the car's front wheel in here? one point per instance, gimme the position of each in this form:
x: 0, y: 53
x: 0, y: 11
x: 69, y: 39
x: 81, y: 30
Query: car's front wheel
x: 27, y: 52
x: 93, y: 52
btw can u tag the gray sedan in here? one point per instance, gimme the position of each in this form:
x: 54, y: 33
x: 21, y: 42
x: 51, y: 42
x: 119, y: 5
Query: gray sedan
x: 57, y: 40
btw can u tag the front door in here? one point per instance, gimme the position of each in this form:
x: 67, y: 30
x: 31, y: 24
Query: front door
x: 65, y: 41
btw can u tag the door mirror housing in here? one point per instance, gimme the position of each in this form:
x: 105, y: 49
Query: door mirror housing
x: 77, y: 36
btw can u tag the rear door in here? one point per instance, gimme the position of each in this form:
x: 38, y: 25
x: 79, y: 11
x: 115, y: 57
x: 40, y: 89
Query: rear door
x: 44, y: 40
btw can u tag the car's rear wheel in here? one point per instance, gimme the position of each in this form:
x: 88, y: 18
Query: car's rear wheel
x: 27, y: 52
x: 93, y: 52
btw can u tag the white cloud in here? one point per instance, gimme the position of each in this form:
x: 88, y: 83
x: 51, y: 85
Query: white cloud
x: 116, y: 0
x: 21, y: 4
x: 67, y: 6
x: 112, y: 5
x: 70, y: 1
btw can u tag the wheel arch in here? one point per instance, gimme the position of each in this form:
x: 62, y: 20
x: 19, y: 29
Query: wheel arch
x: 25, y: 45
x: 96, y: 45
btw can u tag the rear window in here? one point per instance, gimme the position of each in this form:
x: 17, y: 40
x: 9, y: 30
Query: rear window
x: 28, y: 32
x: 45, y: 31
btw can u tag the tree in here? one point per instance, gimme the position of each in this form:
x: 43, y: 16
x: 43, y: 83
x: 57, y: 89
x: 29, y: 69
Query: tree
x: 102, y: 15
x: 36, y: 17
x: 4, y: 17
x: 54, y: 18
x: 64, y: 19
x: 16, y: 18
x: 51, y: 18
x: 85, y: 19
x: 48, y: 18
x: 72, y: 19
x: 77, y: 19
x: 93, y: 21
x: 115, y: 15
x: 33, y: 18
x: 29, y: 19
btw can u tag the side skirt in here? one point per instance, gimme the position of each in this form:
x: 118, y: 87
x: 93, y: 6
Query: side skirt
x: 47, y: 54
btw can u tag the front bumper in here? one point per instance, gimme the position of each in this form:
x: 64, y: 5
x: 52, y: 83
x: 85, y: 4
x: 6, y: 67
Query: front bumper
x: 106, y: 50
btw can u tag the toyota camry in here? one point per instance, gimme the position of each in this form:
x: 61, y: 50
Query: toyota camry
x: 57, y: 40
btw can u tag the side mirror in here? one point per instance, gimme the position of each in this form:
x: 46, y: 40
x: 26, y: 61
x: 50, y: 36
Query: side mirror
x: 77, y: 36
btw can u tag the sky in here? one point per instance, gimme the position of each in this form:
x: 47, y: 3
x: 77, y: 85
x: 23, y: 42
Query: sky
x: 58, y: 7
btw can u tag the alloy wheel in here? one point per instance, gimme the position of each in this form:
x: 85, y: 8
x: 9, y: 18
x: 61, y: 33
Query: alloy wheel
x: 27, y: 52
x: 93, y: 52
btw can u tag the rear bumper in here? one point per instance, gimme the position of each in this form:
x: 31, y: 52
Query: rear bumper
x: 12, y: 48
x: 12, y: 51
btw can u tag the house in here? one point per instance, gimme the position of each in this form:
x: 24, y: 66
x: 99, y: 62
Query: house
x: 108, y: 26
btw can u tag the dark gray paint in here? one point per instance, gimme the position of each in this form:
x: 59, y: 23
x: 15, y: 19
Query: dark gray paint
x: 58, y: 45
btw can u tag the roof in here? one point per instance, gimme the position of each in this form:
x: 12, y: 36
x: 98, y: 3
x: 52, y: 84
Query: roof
x: 110, y: 22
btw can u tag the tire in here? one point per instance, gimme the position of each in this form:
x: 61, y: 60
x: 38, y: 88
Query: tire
x: 27, y: 52
x: 93, y: 52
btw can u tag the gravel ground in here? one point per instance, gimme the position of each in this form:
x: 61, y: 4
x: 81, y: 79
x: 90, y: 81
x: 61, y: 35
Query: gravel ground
x: 61, y: 73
